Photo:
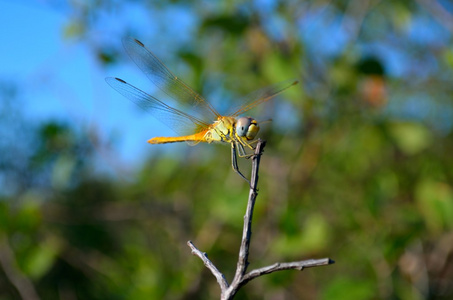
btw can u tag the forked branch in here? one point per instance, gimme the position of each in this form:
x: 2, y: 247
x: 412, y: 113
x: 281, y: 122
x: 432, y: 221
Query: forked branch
x: 241, y: 276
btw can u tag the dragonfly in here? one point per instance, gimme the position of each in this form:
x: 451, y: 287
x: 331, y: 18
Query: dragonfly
x: 187, y: 113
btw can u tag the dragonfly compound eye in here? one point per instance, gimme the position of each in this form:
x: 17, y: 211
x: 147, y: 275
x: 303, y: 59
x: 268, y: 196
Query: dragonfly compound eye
x: 253, y: 130
x: 247, y: 127
x: 242, y: 126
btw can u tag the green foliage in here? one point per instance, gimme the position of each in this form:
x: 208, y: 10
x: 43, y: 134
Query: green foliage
x: 411, y: 138
x: 435, y: 204
x: 350, y: 288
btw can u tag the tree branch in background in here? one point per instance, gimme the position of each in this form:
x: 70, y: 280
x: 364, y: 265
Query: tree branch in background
x: 241, y: 277
x: 8, y: 263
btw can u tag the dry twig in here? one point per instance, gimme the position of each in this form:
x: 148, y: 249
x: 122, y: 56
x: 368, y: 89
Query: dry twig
x: 241, y: 277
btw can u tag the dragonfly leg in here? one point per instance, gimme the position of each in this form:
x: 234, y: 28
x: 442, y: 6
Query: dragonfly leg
x: 245, y: 143
x: 241, y: 150
x: 234, y: 161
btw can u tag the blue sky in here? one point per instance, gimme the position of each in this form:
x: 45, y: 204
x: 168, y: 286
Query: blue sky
x: 61, y: 80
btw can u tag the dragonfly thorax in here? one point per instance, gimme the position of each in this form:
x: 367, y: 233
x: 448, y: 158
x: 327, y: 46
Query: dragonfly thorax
x: 229, y: 129
x: 247, y: 127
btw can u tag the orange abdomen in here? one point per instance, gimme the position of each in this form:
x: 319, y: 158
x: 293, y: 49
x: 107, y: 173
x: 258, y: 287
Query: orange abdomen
x: 197, y: 137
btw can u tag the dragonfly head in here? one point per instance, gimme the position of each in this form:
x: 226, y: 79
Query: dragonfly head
x: 247, y: 127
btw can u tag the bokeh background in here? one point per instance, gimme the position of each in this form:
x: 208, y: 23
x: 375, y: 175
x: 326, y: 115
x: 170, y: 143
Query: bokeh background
x: 358, y: 165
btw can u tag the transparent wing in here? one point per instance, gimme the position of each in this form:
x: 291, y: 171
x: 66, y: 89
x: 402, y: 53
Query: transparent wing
x: 190, y: 101
x: 177, y: 120
x: 262, y: 95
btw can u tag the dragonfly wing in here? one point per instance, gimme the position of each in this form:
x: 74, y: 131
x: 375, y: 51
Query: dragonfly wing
x: 177, y: 120
x: 166, y: 81
x: 262, y: 95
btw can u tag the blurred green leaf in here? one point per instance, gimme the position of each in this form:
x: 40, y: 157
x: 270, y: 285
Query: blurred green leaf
x: 74, y: 29
x: 41, y: 258
x: 411, y: 137
x: 435, y: 204
x: 28, y: 215
x: 349, y: 288
x: 312, y: 237
x: 277, y: 68
x: 448, y: 57
x: 402, y: 16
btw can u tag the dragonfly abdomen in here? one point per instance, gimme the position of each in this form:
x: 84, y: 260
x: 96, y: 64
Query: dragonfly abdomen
x: 197, y: 137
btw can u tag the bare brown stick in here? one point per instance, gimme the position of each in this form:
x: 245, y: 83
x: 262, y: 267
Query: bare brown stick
x: 241, y: 277
x: 208, y: 263
x: 247, y: 229
x: 295, y: 265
